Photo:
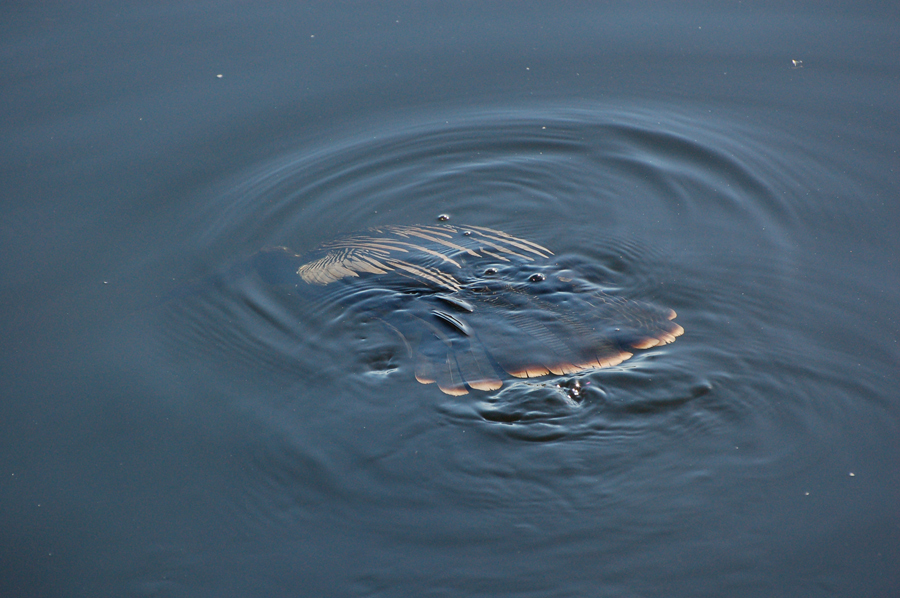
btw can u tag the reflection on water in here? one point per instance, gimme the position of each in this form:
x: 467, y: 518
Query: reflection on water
x: 473, y: 304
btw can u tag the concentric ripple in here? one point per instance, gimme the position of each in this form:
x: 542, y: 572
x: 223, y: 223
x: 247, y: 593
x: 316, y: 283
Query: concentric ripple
x: 645, y: 203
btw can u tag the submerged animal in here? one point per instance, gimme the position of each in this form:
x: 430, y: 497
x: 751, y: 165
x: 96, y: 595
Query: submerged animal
x: 473, y: 305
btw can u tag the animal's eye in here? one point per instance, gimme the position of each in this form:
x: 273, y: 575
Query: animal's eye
x: 490, y: 271
x: 536, y: 277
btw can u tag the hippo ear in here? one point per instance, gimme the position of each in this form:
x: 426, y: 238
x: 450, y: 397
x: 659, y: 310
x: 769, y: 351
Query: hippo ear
x: 277, y: 266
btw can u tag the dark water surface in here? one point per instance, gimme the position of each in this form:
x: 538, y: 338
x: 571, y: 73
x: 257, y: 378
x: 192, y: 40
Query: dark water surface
x: 173, y: 426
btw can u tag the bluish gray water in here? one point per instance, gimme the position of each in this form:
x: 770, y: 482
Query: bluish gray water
x: 174, y: 426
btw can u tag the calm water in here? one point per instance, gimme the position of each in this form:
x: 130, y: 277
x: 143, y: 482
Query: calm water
x: 172, y: 426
